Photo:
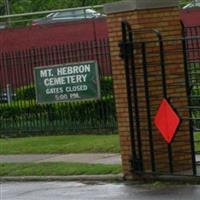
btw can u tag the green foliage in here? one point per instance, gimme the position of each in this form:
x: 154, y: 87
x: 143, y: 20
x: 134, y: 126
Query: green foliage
x: 26, y: 92
x: 195, y: 102
x: 24, y: 6
x: 56, y: 111
x: 86, y: 143
x: 184, y: 2
x: 71, y: 117
x: 23, y: 113
x: 27, y: 6
x: 57, y: 169
x: 196, y: 141
x: 106, y: 86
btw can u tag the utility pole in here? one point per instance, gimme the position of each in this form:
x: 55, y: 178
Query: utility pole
x: 83, y: 3
x: 7, y: 7
x: 7, y: 10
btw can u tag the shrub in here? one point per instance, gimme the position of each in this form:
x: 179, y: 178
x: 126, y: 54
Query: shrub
x: 24, y: 115
x: 106, y: 85
x: 27, y: 117
x: 26, y: 92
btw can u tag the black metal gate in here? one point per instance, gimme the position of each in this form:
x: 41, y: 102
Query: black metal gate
x: 150, y: 85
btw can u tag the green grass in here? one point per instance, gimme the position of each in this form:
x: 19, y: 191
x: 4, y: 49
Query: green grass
x: 197, y: 138
x: 61, y: 144
x: 57, y: 169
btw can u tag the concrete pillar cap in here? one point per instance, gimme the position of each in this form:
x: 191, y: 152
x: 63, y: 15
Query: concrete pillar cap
x: 130, y: 5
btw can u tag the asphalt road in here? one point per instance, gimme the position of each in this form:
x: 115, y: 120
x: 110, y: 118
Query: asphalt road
x: 96, y: 191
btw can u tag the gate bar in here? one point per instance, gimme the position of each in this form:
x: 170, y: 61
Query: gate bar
x: 189, y: 102
x: 146, y: 85
x: 162, y: 63
x: 135, y: 93
x: 126, y: 60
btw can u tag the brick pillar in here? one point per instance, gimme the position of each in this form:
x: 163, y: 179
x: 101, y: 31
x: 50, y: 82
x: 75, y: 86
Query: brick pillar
x: 162, y: 15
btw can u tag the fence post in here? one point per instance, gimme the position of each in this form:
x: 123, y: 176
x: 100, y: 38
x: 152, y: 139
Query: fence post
x: 9, y: 93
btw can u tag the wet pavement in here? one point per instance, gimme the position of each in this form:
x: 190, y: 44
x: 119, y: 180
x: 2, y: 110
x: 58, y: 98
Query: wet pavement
x: 96, y: 191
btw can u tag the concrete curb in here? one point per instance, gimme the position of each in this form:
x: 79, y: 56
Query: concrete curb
x: 107, y: 178
x: 103, y: 178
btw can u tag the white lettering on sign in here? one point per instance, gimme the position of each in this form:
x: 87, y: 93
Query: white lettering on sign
x: 61, y: 97
x: 65, y: 80
x: 74, y: 96
x: 77, y: 69
x: 46, y: 73
x: 54, y: 90
x: 77, y: 88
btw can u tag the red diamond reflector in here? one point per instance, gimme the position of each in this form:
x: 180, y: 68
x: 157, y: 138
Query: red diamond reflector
x: 167, y: 121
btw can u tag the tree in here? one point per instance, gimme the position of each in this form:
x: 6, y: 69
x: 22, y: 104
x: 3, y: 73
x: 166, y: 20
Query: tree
x: 23, y: 6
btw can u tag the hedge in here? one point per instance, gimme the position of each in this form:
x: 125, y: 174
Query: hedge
x: 24, y: 114
x: 79, y: 116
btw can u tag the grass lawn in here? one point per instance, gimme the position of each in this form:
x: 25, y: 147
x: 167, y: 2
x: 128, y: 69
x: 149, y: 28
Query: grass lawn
x: 57, y: 169
x: 197, y: 141
x: 61, y: 144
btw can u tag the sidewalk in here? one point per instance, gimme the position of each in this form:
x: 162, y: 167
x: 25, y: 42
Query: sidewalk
x: 100, y: 158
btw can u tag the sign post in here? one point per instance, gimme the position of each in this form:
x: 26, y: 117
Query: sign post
x: 67, y: 82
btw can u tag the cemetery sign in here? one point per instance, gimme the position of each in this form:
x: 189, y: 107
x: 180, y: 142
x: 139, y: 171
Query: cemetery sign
x: 67, y: 82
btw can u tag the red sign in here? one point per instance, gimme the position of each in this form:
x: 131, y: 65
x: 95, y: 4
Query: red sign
x: 167, y: 121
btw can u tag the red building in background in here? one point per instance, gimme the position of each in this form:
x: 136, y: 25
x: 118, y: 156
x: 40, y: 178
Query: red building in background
x: 190, y: 17
x: 69, y: 32
x: 51, y: 34
x: 21, y: 49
